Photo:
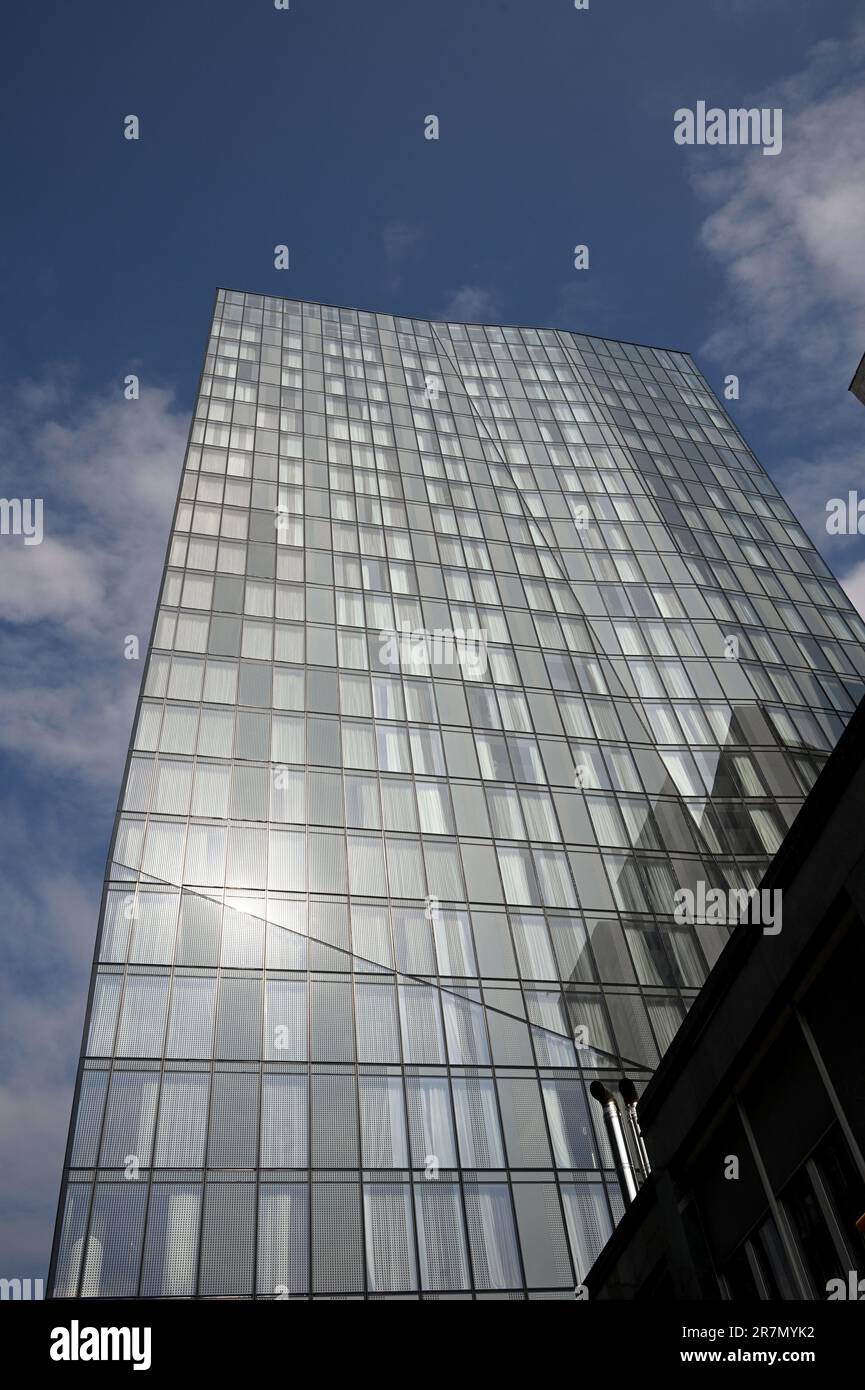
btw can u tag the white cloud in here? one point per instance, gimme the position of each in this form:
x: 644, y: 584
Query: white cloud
x: 784, y: 230
x: 54, y: 582
x: 810, y: 481
x: 472, y: 304
x: 108, y: 472
x: 853, y: 584
x: 790, y: 324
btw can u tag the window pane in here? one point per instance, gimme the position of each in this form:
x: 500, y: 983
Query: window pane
x: 182, y: 1128
x: 284, y: 1121
x: 283, y: 1239
x: 492, y: 1236
x: 171, y: 1249
x: 477, y: 1118
x: 440, y: 1236
x: 390, y: 1259
x: 382, y: 1122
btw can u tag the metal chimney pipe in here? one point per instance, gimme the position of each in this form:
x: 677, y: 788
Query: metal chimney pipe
x: 628, y: 1092
x: 621, y: 1157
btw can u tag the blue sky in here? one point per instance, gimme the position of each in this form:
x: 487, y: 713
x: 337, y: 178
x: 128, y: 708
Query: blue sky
x: 305, y: 127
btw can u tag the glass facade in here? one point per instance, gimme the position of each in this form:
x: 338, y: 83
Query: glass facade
x: 474, y: 645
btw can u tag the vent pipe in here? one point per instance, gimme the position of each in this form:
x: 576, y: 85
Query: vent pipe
x: 616, y: 1134
x: 628, y: 1092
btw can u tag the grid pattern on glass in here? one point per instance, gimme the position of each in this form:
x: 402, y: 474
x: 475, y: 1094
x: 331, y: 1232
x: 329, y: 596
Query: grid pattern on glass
x: 474, y: 644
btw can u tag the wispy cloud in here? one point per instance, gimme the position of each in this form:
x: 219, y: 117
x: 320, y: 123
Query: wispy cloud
x: 107, y: 470
x: 403, y: 243
x: 854, y: 585
x: 785, y: 234
x: 472, y: 304
x: 400, y: 240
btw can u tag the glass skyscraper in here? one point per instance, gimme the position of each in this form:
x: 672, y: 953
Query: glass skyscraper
x: 474, y: 645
